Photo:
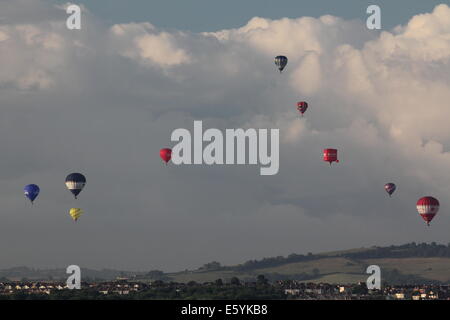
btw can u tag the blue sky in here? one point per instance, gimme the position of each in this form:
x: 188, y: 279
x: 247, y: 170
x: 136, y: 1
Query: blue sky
x: 211, y: 15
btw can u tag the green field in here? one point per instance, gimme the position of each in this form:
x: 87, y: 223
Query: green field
x: 429, y: 268
x: 325, y: 266
x: 332, y: 270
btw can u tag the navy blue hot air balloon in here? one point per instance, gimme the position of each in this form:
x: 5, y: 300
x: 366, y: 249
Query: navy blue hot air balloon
x: 281, y: 62
x: 31, y: 192
x: 75, y: 182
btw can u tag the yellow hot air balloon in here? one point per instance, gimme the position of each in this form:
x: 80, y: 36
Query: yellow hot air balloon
x: 75, y: 213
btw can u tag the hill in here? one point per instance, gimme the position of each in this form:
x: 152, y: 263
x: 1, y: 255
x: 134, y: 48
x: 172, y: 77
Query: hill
x: 58, y: 274
x: 405, y: 264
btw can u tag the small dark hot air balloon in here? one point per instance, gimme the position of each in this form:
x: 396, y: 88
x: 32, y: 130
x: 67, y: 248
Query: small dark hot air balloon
x: 281, y: 62
x: 165, y: 154
x: 390, y: 188
x: 302, y: 106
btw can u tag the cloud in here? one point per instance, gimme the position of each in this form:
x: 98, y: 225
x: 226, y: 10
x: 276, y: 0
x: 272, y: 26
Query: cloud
x: 105, y: 99
x: 145, y: 46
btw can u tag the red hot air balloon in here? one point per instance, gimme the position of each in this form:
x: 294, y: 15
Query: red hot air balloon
x: 302, y: 106
x: 427, y: 207
x: 165, y: 154
x: 330, y: 155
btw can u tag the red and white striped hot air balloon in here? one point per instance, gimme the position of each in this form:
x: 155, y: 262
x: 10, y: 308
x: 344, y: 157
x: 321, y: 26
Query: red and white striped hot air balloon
x: 428, y: 208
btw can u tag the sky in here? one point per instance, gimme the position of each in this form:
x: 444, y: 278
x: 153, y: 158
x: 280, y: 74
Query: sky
x: 103, y: 100
x: 212, y: 15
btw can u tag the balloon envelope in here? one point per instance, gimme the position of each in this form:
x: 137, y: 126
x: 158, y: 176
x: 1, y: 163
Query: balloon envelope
x: 281, y: 62
x: 165, y: 154
x: 31, y: 191
x: 75, y: 182
x: 390, y: 188
x: 302, y: 106
x: 75, y: 213
x: 427, y: 207
x: 330, y: 155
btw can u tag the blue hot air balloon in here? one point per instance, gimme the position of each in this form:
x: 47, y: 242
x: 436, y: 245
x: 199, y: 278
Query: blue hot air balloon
x: 75, y: 182
x: 281, y: 62
x: 31, y: 192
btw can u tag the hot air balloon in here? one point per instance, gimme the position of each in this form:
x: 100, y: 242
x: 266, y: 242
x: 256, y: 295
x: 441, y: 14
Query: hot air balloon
x: 330, y: 155
x: 31, y: 192
x: 390, y: 188
x: 302, y: 106
x: 165, y: 154
x: 75, y: 213
x: 75, y: 182
x: 428, y: 208
x: 281, y: 62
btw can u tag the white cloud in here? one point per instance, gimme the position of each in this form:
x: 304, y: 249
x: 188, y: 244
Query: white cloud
x: 144, y: 43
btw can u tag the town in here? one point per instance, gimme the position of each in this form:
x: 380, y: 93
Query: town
x: 123, y: 289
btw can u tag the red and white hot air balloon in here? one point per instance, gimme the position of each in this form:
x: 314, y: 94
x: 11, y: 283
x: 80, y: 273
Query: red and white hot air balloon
x: 165, y: 154
x: 428, y: 207
x: 330, y: 155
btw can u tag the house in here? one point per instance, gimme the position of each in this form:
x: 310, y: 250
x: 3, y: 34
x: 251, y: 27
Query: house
x: 399, y: 296
x: 343, y: 289
x: 293, y: 292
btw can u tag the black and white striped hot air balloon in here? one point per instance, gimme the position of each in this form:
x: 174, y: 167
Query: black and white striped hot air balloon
x: 75, y: 182
x: 281, y: 62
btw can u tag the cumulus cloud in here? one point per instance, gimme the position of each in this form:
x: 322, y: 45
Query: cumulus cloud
x: 141, y: 43
x: 104, y: 100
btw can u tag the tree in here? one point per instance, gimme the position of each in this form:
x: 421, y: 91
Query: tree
x: 211, y: 266
x: 219, y: 282
x: 235, y: 281
x: 360, y: 289
x: 261, y: 279
x: 158, y: 283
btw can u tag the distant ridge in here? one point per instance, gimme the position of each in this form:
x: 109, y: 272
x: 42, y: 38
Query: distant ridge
x: 408, y: 263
